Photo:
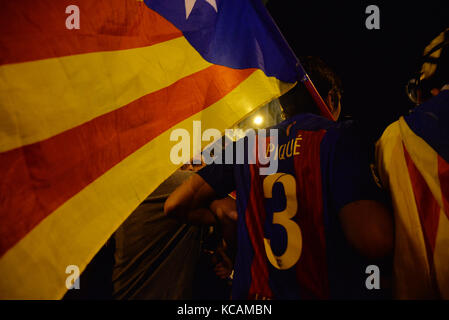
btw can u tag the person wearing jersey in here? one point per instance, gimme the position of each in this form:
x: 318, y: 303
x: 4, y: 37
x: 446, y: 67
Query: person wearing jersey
x: 413, y: 164
x: 310, y: 230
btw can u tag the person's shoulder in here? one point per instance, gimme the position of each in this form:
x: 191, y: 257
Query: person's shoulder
x: 391, y: 131
x: 346, y: 129
x: 429, y: 122
x: 434, y: 109
x: 307, y: 121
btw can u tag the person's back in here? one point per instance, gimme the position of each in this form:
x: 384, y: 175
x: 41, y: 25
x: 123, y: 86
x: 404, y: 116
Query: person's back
x: 149, y: 249
x: 303, y: 228
x: 413, y: 162
x: 291, y: 244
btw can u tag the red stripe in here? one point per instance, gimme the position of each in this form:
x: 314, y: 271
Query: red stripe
x: 32, y: 30
x: 38, y: 178
x: 443, y: 175
x: 427, y: 205
x: 311, y: 269
x: 255, y: 218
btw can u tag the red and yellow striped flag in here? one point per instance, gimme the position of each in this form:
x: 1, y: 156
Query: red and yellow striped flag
x: 86, y: 116
x: 418, y: 180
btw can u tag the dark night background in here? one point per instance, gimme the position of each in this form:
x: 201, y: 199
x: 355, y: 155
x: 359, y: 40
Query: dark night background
x: 374, y: 65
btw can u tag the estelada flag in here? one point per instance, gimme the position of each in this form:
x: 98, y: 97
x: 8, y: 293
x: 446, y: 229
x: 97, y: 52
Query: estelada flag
x: 86, y: 115
x: 413, y: 164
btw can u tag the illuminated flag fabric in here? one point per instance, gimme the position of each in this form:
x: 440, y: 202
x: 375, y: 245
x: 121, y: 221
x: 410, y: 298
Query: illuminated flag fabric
x: 413, y: 161
x: 86, y: 115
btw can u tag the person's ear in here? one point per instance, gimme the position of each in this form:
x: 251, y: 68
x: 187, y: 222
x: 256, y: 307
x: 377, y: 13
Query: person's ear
x: 334, y: 106
x: 283, y: 115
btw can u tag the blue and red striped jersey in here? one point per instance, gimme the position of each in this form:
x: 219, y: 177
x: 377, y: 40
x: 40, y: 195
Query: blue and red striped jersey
x: 290, y: 244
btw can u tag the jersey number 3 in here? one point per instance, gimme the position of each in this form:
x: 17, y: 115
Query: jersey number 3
x: 294, y: 237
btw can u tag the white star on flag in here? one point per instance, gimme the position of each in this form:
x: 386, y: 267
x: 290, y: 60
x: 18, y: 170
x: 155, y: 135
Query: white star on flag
x: 191, y: 3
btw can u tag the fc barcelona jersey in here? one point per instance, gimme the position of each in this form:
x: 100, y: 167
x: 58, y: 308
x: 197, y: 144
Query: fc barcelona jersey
x: 290, y: 244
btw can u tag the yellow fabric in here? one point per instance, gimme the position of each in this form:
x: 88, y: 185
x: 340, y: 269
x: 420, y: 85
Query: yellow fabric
x: 428, y: 68
x: 412, y: 275
x: 42, y: 98
x: 35, y: 267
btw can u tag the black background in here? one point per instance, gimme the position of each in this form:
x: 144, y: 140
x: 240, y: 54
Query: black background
x: 374, y: 65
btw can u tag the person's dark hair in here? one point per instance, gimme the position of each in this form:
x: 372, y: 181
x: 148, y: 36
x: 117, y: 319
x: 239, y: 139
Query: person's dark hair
x: 298, y: 99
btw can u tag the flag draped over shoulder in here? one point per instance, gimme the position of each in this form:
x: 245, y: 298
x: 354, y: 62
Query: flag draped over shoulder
x: 86, y: 115
x: 417, y: 176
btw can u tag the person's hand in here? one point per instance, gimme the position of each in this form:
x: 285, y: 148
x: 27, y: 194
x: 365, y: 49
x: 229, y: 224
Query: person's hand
x: 223, y: 269
x: 224, y: 208
x: 225, y: 211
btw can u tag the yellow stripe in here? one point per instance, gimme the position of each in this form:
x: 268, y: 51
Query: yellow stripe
x: 35, y: 267
x: 42, y: 98
x: 426, y: 160
x: 409, y: 283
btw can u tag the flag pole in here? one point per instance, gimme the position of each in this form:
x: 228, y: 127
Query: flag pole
x: 324, y: 109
